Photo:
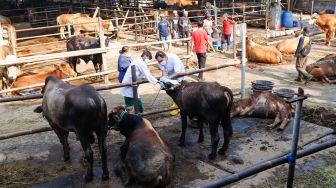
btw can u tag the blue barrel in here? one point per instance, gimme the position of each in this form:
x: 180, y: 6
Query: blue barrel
x: 295, y: 23
x: 287, y: 19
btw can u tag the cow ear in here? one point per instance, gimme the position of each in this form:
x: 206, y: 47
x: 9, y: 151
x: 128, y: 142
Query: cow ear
x: 116, y: 118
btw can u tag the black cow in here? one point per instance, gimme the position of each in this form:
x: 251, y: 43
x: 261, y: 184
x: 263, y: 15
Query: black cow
x: 210, y: 103
x: 147, y: 160
x: 78, y: 109
x: 83, y: 43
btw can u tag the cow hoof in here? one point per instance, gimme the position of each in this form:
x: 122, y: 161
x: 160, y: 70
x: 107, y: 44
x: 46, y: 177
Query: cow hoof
x: 212, y: 156
x: 105, y: 177
x: 88, y: 177
x: 280, y: 129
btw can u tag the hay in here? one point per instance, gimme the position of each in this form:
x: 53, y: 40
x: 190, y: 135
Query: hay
x: 320, y: 115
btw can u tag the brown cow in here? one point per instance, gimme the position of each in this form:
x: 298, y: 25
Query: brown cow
x: 61, y: 72
x: 326, y: 22
x: 7, y: 73
x: 146, y: 158
x: 266, y: 105
x: 262, y: 54
x: 90, y: 25
x: 180, y: 3
x: 323, y: 69
x: 288, y: 46
x: 64, y: 19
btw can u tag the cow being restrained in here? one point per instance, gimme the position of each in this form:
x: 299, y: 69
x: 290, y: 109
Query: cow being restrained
x: 324, y: 69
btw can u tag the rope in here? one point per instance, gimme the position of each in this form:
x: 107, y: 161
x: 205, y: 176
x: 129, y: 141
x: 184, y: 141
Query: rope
x: 116, y: 126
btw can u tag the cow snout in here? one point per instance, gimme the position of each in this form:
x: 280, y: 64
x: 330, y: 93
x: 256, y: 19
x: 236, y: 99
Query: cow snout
x: 12, y: 73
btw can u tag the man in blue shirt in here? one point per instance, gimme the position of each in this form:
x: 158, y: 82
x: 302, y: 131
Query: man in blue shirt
x: 301, y: 56
x: 164, y: 31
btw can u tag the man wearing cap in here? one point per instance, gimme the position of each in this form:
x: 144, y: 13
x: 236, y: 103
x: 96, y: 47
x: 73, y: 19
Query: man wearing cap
x: 301, y: 56
x: 170, y: 64
x: 164, y: 31
x: 142, y: 71
x: 185, y: 25
x: 175, y: 25
x: 227, y: 26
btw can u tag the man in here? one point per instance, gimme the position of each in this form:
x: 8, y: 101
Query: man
x: 174, y: 22
x: 170, y: 64
x: 227, y: 26
x: 200, y: 42
x: 185, y: 25
x: 301, y: 56
x: 208, y: 24
x: 141, y: 72
x: 164, y: 31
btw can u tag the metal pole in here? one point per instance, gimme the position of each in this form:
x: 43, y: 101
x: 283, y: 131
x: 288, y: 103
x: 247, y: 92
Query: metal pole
x: 244, y: 14
x: 69, y: 29
x: 295, y: 139
x: 234, y: 41
x: 117, y: 26
x: 102, y: 45
x: 135, y: 90
x: 301, y: 23
x: 312, y: 8
x: 243, y: 39
x: 215, y: 12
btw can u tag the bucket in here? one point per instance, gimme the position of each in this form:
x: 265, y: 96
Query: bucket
x: 285, y: 93
x: 295, y: 23
x: 287, y: 19
x: 260, y: 86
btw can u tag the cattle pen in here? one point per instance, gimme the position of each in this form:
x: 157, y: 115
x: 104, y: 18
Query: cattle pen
x: 257, y: 157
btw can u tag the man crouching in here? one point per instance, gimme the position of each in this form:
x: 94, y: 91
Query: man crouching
x: 146, y: 158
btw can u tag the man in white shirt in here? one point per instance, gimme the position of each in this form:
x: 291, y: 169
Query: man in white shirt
x: 170, y: 64
x: 142, y: 72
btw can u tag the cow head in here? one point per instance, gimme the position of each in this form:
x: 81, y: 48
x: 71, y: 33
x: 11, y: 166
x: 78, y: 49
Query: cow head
x: 12, y: 72
x: 66, y: 70
x: 115, y: 116
x: 313, y: 19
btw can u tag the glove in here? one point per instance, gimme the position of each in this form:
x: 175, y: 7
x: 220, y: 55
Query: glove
x: 162, y: 85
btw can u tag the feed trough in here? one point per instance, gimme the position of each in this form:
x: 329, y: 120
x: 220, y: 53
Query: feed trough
x: 285, y: 93
x: 262, y: 85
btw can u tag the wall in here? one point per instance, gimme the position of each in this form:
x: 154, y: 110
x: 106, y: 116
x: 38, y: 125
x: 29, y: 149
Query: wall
x: 319, y: 5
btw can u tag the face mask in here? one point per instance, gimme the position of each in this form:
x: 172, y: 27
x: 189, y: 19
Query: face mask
x: 163, y: 63
x: 146, y: 61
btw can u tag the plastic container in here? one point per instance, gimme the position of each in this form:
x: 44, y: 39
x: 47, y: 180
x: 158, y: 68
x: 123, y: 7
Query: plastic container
x: 295, y: 23
x: 285, y: 93
x: 287, y: 19
x: 262, y: 85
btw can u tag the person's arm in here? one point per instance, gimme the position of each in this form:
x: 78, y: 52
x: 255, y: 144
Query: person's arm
x: 298, y: 49
x: 232, y: 22
x: 163, y: 70
x: 178, y: 68
x: 144, y: 70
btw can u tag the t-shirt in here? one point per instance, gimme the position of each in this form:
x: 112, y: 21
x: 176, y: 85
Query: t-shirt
x: 123, y: 64
x: 208, y: 26
x: 227, y: 26
x: 184, y: 23
x: 163, y: 27
x: 173, y: 65
x: 200, y: 39
x: 175, y: 23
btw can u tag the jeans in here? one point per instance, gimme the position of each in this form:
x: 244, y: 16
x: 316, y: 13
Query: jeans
x: 201, y: 57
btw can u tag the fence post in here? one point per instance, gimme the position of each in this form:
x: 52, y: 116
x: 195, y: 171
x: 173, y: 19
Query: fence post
x: 102, y: 45
x: 244, y: 14
x: 243, y: 35
x: 312, y: 8
x: 295, y: 139
x: 12, y: 40
x: 266, y: 20
x: 69, y: 29
x: 1, y: 32
x: 117, y: 26
x: 216, y: 13
x: 135, y: 90
x: 234, y: 41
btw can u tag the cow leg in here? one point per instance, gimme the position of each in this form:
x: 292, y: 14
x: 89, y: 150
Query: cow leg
x: 63, y: 138
x: 277, y: 120
x: 283, y: 124
x: 227, y: 132
x: 88, y: 155
x: 102, y: 148
x: 123, y: 150
x: 214, y: 140
x: 62, y: 36
x: 184, y: 127
x: 200, y: 126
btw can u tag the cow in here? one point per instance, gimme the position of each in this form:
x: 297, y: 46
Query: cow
x: 324, y: 69
x: 264, y: 105
x: 210, y: 103
x: 262, y: 54
x: 90, y: 25
x: 9, y: 31
x: 179, y: 3
x: 5, y: 20
x: 61, y: 71
x: 288, y: 46
x: 146, y: 158
x: 8, y: 73
x: 79, y: 109
x: 64, y: 19
x: 327, y: 23
x: 82, y: 43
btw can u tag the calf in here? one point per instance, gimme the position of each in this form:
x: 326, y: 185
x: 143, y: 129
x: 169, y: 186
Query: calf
x: 323, y: 69
x: 82, y: 43
x: 87, y: 24
x: 262, y: 54
x: 147, y: 160
x: 64, y: 19
x: 210, y: 103
x: 77, y: 109
x: 265, y: 105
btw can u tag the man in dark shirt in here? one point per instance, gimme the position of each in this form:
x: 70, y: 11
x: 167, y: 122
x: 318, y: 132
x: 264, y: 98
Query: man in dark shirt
x: 185, y: 25
x: 164, y: 31
x: 174, y: 21
x: 301, y: 59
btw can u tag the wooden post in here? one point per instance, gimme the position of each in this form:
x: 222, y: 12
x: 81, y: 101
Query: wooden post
x: 69, y: 29
x: 266, y: 19
x: 135, y: 90
x: 234, y: 41
x: 312, y: 8
x: 233, y: 9
x: 102, y: 45
x: 1, y: 35
x: 46, y: 15
x: 215, y: 12
x: 117, y: 26
x: 96, y: 12
x: 135, y: 29
x: 288, y: 5
x: 13, y: 40
x: 244, y: 14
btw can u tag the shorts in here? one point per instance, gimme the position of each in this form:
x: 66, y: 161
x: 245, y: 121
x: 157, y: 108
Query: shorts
x: 175, y: 35
x: 164, y: 38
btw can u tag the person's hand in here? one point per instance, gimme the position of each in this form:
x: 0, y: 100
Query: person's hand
x: 162, y: 85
